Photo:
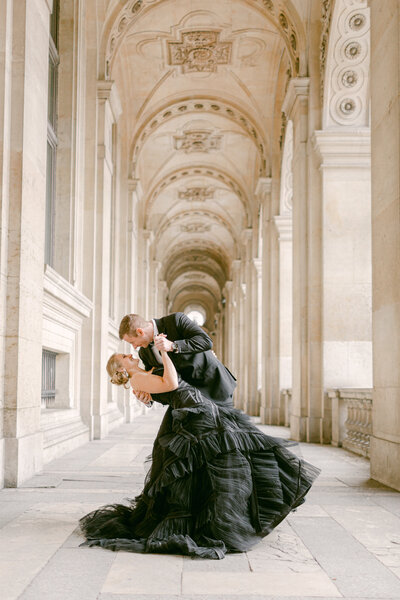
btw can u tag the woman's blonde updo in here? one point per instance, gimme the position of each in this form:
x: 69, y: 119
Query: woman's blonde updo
x: 117, y: 377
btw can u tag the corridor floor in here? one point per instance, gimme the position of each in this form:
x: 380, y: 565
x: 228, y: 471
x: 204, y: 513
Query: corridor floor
x: 343, y: 542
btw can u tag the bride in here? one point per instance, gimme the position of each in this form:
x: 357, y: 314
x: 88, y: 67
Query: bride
x: 217, y: 484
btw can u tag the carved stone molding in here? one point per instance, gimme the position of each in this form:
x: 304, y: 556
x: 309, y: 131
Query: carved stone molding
x: 345, y: 83
x: 284, y: 227
x: 342, y: 148
x: 196, y: 194
x: 198, y: 141
x: 298, y: 87
x: 199, y: 51
x: 326, y: 16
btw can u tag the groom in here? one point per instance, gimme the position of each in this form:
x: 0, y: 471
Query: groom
x: 189, y: 348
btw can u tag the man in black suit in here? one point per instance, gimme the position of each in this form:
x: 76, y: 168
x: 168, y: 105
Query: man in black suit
x: 190, y: 351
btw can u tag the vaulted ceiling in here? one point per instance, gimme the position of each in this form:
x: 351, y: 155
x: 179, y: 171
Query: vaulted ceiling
x: 201, y: 84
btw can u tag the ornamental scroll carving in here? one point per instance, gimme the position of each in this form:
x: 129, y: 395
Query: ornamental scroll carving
x: 345, y: 86
x: 199, y: 51
x: 196, y: 194
x: 197, y: 141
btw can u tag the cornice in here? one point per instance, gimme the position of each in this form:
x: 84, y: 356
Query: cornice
x: 298, y: 87
x: 343, y: 148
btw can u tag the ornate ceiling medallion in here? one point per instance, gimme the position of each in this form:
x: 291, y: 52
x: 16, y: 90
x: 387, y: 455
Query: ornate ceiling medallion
x: 197, y: 141
x: 199, y: 52
x: 196, y: 194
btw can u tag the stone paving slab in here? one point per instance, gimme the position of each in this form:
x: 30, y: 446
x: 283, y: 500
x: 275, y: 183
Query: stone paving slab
x: 343, y: 542
x: 347, y: 562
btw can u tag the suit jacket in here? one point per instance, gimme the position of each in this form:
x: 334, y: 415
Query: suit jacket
x: 194, y: 360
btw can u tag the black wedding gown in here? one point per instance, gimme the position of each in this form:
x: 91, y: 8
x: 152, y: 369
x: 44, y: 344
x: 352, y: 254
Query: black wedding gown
x: 217, y: 484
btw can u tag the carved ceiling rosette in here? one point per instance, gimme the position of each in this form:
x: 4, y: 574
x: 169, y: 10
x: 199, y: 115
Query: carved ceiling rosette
x: 347, y: 65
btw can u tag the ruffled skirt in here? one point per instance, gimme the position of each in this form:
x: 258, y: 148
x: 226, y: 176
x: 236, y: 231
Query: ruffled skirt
x: 217, y: 484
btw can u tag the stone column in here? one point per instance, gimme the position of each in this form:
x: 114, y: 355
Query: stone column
x: 133, y: 243
x: 307, y: 250
x: 269, y: 326
x: 108, y: 112
x: 385, y: 149
x: 257, y: 263
x: 249, y: 327
x: 144, y: 301
x: 229, y: 333
x: 237, y: 332
x: 23, y: 129
x: 346, y: 267
x: 283, y: 224
x: 162, y: 298
x: 154, y: 293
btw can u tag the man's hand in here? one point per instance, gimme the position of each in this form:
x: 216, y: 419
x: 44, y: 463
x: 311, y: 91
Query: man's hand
x: 161, y: 342
x: 144, y: 397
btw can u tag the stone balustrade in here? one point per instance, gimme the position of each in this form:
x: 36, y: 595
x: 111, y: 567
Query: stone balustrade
x: 285, y: 404
x: 351, y: 419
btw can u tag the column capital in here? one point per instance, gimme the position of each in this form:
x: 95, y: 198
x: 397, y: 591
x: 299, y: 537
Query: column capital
x: 227, y: 287
x: 246, y: 235
x: 257, y: 262
x: 284, y: 227
x: 299, y: 87
x: 343, y: 148
x: 148, y: 235
x: 236, y: 265
x: 263, y: 187
x: 107, y: 90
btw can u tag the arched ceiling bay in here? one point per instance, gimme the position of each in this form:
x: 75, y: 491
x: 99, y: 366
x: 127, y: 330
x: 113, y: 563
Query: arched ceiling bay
x: 198, y: 83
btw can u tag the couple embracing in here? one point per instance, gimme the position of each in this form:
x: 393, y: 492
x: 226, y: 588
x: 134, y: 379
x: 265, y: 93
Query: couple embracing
x: 217, y: 484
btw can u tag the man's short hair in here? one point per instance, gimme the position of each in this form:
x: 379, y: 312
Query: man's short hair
x: 129, y: 325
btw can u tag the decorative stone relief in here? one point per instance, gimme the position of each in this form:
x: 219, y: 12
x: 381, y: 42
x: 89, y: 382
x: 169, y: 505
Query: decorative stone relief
x: 199, y: 51
x: 326, y: 22
x: 195, y: 228
x: 197, y: 141
x: 345, y: 91
x: 196, y: 194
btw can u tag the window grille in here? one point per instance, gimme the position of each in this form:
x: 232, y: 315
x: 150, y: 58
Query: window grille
x: 48, y: 379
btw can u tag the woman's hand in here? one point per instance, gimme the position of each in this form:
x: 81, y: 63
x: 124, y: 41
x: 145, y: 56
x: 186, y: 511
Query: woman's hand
x: 144, y: 397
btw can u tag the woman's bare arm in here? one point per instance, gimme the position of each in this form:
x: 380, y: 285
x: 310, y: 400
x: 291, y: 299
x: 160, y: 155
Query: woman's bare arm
x: 154, y: 384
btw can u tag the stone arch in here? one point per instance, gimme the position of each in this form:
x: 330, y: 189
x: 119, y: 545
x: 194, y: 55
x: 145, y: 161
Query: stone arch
x: 284, y: 18
x: 210, y: 172
x: 211, y: 105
